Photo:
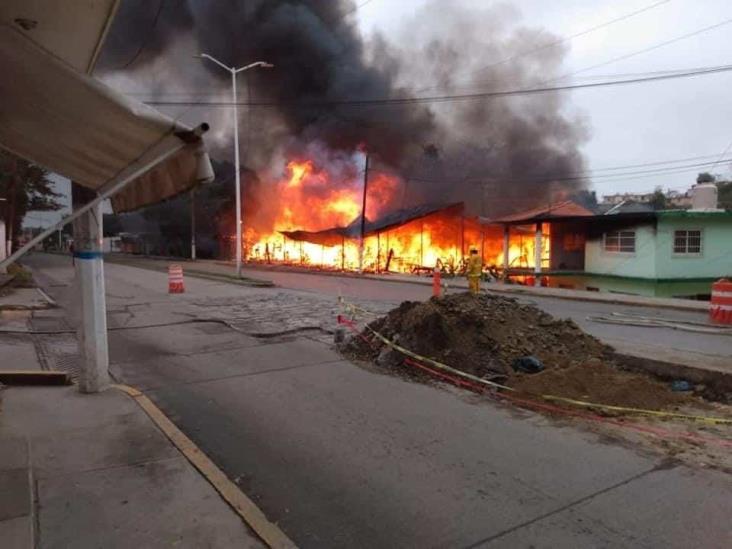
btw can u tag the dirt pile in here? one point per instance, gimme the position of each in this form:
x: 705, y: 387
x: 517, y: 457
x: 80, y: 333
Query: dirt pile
x: 483, y: 335
x: 601, y: 383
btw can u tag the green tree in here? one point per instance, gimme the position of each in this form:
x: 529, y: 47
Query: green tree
x: 724, y: 194
x: 658, y: 199
x: 25, y: 187
x: 705, y: 177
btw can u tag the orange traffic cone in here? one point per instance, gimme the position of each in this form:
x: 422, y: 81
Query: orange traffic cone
x: 175, y: 279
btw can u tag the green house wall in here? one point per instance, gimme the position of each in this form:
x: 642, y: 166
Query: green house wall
x: 640, y: 264
x: 715, y: 259
x: 653, y: 269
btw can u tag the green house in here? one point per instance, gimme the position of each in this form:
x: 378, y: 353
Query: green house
x: 668, y: 253
x: 671, y: 253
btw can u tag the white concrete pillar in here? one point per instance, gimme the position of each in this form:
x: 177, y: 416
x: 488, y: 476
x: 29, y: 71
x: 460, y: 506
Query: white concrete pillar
x: 193, y: 224
x: 506, y: 244
x: 537, y: 255
x: 92, y: 310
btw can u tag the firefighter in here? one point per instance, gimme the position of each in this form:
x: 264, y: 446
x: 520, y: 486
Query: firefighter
x: 475, y: 271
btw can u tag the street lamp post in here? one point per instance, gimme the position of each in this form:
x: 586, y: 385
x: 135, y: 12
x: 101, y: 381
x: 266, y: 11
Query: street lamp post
x: 234, y: 71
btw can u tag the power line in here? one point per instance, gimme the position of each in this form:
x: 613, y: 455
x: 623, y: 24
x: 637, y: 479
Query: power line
x: 354, y: 10
x: 563, y: 39
x: 591, y: 175
x: 644, y: 50
x: 146, y: 41
x: 445, y: 98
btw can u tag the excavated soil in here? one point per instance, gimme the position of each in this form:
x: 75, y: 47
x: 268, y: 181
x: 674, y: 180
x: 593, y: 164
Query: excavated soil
x: 483, y: 335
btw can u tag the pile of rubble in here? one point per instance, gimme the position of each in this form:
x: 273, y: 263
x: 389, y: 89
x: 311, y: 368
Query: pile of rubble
x: 488, y: 336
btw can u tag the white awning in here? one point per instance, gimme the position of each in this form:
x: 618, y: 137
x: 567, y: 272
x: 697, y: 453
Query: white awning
x: 53, y: 114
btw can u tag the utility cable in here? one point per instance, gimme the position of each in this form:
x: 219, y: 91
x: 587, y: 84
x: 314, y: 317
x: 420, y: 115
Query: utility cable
x: 562, y: 40
x: 222, y: 321
x: 445, y: 98
x: 644, y: 50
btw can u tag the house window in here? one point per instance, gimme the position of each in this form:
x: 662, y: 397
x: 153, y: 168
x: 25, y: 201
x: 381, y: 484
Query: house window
x: 620, y: 241
x: 687, y: 242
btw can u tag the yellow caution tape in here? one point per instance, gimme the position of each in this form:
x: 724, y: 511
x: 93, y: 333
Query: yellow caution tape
x: 582, y: 403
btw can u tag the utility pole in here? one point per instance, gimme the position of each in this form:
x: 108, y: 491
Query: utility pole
x: 363, y: 215
x: 193, y: 224
x: 91, y: 301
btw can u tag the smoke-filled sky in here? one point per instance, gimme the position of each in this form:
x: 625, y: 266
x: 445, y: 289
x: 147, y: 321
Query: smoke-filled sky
x: 610, y: 127
x: 635, y: 124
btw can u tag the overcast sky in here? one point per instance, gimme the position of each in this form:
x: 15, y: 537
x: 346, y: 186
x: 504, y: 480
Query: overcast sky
x: 667, y: 120
x: 637, y: 124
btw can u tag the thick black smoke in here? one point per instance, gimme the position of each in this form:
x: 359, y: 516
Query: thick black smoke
x: 496, y: 154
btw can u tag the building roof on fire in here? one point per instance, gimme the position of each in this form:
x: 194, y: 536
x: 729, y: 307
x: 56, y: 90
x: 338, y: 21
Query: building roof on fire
x: 336, y: 235
x: 568, y: 208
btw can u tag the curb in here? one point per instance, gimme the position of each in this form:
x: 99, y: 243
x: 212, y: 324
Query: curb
x: 244, y: 281
x: 268, y: 532
x: 516, y: 289
x: 718, y: 385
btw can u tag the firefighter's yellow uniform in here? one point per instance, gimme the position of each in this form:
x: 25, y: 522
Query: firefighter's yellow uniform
x: 475, y: 272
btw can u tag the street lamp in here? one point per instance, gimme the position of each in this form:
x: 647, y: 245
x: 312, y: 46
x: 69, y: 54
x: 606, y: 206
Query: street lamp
x: 234, y: 71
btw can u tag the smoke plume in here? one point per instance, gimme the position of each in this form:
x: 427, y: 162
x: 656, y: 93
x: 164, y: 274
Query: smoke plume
x: 496, y: 154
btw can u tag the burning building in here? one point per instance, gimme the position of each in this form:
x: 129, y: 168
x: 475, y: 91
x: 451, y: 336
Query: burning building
x: 336, y: 93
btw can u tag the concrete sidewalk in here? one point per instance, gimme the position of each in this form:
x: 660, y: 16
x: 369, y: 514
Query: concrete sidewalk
x: 94, y: 471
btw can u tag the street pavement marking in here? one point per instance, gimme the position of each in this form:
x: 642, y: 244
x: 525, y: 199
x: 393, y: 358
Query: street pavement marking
x: 269, y: 532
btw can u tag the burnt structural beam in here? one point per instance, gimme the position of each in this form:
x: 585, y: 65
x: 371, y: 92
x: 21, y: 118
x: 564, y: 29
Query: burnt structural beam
x: 537, y: 255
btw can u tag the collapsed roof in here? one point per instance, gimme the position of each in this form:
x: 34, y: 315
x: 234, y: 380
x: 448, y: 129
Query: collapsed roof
x: 337, y: 235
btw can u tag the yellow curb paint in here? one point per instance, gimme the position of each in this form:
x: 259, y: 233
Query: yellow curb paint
x: 269, y: 532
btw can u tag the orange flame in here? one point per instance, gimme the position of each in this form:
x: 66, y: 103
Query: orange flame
x: 307, y: 198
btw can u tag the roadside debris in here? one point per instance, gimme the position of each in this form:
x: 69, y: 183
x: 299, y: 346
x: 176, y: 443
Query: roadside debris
x: 496, y: 337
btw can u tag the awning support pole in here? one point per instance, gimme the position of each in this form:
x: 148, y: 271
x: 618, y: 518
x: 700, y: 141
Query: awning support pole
x: 168, y: 147
x: 89, y: 282
x: 193, y: 224
x: 537, y: 255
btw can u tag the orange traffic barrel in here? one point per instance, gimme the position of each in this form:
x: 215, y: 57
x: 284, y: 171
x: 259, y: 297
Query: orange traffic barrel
x: 175, y: 279
x: 436, y: 282
x: 720, y: 308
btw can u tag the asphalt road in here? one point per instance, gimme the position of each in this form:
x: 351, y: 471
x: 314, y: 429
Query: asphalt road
x: 341, y: 456
x: 579, y: 311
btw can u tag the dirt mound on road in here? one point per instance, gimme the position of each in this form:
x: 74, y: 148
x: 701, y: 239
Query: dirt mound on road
x: 483, y: 335
x: 601, y: 383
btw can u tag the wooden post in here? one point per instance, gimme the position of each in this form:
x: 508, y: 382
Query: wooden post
x: 506, y: 245
x: 363, y: 214
x: 378, y: 252
x: 462, y: 237
x: 537, y: 255
x: 421, y: 243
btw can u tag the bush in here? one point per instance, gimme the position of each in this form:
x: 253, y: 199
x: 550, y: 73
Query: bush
x: 22, y: 277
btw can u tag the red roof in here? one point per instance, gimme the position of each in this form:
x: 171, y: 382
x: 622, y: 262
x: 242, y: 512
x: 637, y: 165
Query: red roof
x: 567, y: 208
